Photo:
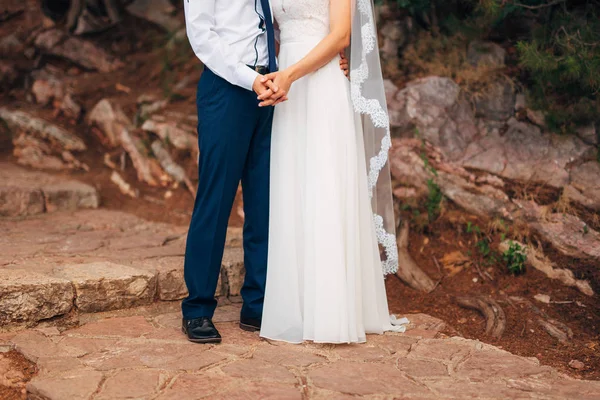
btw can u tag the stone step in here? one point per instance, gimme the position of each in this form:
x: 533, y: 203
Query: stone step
x: 27, y: 298
x: 24, y: 192
x: 95, y: 261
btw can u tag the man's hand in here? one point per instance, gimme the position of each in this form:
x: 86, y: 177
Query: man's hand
x: 281, y: 83
x: 265, y: 88
x: 344, y: 66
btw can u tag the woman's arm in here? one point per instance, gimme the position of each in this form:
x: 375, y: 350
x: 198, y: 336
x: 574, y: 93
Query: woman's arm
x: 337, y: 40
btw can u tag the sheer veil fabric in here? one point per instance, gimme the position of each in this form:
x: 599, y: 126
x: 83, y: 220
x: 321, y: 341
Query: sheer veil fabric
x: 368, y: 98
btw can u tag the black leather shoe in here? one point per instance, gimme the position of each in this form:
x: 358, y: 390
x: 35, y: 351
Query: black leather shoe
x: 250, y: 324
x: 200, y: 330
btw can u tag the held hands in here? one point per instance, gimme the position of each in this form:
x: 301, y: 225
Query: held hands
x: 268, y: 93
x: 279, y: 84
x: 273, y: 88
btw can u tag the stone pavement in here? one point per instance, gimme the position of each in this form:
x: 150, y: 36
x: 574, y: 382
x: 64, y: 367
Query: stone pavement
x: 96, y: 260
x: 142, y: 354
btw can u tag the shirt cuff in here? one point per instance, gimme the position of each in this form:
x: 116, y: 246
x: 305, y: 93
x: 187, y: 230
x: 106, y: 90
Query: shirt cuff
x: 246, y: 76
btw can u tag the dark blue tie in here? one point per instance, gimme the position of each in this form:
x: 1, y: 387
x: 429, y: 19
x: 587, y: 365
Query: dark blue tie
x: 270, y: 35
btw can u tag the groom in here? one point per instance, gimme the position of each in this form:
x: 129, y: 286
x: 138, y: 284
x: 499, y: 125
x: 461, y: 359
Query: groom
x: 235, y: 40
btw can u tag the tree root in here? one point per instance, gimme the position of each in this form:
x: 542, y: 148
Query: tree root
x: 495, y: 319
x: 557, y: 333
x: 408, y: 270
x: 554, y: 328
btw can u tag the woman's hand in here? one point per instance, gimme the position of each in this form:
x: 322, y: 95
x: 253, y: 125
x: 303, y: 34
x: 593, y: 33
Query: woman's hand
x: 282, y: 82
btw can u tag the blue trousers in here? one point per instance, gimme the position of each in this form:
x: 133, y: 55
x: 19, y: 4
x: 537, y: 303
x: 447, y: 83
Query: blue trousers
x: 234, y: 137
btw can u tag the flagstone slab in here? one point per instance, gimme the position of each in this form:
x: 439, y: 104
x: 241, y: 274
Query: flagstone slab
x: 255, y: 369
x: 260, y: 390
x: 75, y: 385
x: 364, y: 379
x: 27, y: 297
x: 183, y: 356
x: 132, y: 327
x: 187, y: 386
x: 132, y: 384
x: 35, y: 345
x: 288, y: 357
x: 103, y: 286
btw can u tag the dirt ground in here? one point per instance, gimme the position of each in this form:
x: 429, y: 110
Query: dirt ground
x: 21, y: 371
x: 523, y: 334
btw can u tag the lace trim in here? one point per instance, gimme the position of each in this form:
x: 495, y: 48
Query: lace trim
x: 379, y: 118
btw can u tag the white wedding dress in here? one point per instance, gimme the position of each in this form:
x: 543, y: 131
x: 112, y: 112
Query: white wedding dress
x: 324, y: 280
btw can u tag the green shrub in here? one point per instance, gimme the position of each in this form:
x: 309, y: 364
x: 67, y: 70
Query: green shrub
x: 515, y: 258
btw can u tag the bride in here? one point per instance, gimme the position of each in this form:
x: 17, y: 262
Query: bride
x: 331, y: 221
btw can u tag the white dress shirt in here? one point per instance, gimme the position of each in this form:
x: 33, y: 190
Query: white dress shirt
x: 227, y: 36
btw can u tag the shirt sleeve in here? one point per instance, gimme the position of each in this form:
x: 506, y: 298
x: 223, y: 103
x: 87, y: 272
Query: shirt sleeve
x: 210, y: 48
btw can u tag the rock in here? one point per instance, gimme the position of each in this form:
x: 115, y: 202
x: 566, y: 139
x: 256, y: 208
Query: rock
x: 122, y: 327
x: 46, y: 90
x: 82, y: 52
x: 73, y: 385
x: 576, y: 364
x: 8, y: 75
x: 171, y: 133
x: 394, y: 34
x: 70, y: 107
x: 255, y: 369
x: 89, y: 23
x: 36, y: 346
x: 10, y: 45
x: 520, y: 102
x: 157, y: 12
x: 364, y: 379
x: 500, y: 364
x: 497, y: 102
x: 119, y: 386
x: 542, y: 298
x: 35, y: 153
x: 537, y: 117
x: 25, y: 192
x: 15, y: 201
x: 176, y: 39
x: 408, y: 168
x: 110, y: 118
x: 585, y: 178
x: 137, y: 152
x: 567, y: 233
x: 28, y: 297
x: 22, y: 121
x: 488, y: 54
x: 233, y: 270
x: 434, y: 107
x: 70, y: 195
x: 148, y: 105
x: 38, y: 154
x: 589, y: 134
x: 103, y: 286
x: 170, y: 283
x: 524, y: 153
x: 481, y: 200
